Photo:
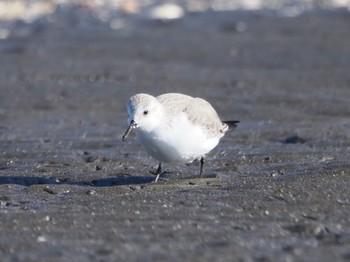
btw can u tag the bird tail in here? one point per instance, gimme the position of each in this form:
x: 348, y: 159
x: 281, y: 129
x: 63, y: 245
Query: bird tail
x: 229, y: 125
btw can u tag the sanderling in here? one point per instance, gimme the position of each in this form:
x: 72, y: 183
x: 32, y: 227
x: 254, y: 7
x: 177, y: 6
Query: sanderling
x: 175, y: 127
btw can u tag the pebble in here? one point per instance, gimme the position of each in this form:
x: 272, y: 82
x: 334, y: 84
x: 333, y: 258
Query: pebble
x: 277, y: 173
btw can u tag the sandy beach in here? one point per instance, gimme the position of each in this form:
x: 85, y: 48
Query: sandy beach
x: 275, y: 189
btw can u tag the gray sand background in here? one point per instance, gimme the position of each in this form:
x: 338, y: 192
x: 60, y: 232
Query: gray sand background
x: 276, y: 189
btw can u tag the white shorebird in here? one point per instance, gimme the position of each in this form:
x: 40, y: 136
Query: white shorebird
x: 175, y: 127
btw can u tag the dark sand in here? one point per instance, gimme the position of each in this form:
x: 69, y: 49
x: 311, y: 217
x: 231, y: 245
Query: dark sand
x: 276, y: 189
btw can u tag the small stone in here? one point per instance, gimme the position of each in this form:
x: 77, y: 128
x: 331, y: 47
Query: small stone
x: 135, y: 187
x: 49, y: 190
x: 326, y: 159
x: 41, y: 239
x: 267, y: 159
x: 307, y: 229
x: 294, y: 140
x: 90, y: 159
x: 91, y: 192
x: 277, y: 173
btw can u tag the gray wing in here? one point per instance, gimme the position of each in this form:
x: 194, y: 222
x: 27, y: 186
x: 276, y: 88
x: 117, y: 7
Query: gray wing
x: 201, y: 113
x: 198, y: 111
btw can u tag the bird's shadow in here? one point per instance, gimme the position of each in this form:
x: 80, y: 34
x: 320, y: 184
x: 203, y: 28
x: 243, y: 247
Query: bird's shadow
x: 119, y: 180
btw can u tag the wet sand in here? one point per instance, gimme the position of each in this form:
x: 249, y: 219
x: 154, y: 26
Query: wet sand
x: 276, y: 189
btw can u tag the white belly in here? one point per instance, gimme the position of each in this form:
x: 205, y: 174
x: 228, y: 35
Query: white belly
x: 181, y: 142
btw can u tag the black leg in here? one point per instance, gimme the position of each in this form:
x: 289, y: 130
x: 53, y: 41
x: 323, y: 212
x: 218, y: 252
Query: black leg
x: 158, y: 172
x: 159, y: 169
x: 201, y: 167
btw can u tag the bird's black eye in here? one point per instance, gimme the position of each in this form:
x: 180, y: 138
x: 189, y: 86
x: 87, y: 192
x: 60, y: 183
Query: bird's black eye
x: 145, y: 112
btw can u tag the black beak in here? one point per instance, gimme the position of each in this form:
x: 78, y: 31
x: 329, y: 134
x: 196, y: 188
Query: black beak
x: 127, y: 132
